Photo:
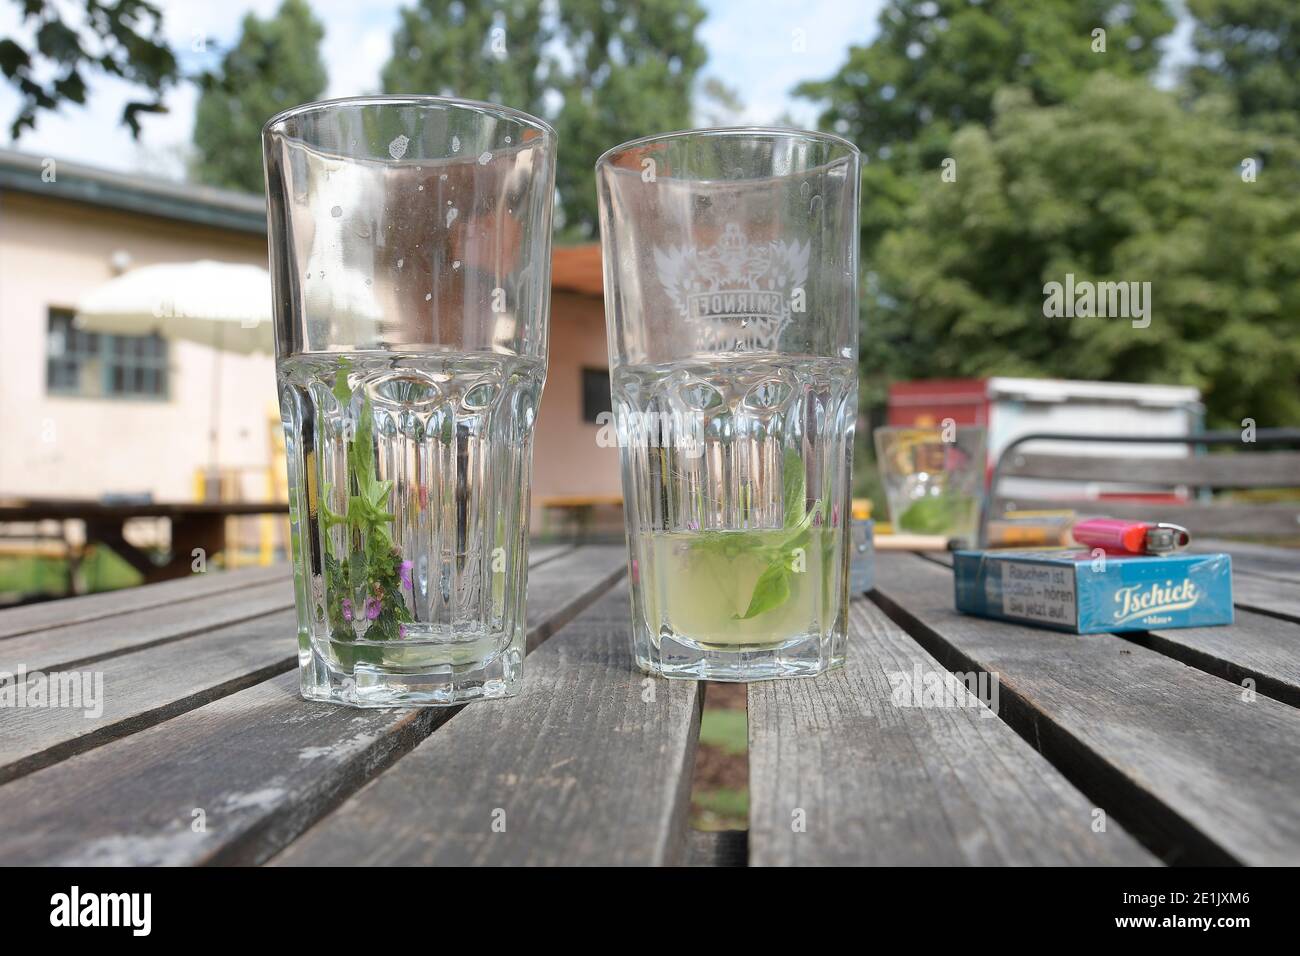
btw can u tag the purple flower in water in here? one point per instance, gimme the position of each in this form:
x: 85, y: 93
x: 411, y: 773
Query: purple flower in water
x: 347, y: 609
x: 372, y: 608
x: 401, y: 630
x: 405, y: 573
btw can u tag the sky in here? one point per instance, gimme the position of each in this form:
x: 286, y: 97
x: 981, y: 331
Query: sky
x: 761, y: 48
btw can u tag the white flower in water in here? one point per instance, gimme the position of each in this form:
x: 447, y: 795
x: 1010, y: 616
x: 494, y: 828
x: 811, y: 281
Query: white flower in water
x: 451, y: 216
x: 397, y: 148
x: 485, y: 159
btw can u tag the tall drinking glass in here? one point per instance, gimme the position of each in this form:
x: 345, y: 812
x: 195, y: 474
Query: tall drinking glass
x: 731, y: 303
x: 410, y: 261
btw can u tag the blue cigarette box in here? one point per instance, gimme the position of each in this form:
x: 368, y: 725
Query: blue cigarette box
x: 1073, y: 590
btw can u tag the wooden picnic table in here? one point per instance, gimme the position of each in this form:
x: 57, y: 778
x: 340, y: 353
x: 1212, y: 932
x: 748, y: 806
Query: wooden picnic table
x: 194, y: 525
x: 1103, y: 750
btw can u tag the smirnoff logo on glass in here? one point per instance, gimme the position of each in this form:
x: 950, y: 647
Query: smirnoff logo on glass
x: 736, y: 294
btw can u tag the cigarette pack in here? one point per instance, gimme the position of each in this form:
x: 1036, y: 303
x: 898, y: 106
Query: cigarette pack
x: 1091, y: 593
x: 862, y: 559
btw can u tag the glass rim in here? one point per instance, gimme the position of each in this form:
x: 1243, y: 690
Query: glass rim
x: 411, y: 99
x: 788, y: 132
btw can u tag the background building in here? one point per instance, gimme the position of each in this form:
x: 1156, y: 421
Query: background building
x: 95, y: 415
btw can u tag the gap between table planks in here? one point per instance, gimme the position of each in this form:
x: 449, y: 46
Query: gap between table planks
x: 591, y: 766
x: 261, y: 764
x: 94, y: 607
x: 1184, y: 760
x: 1256, y: 646
x: 842, y: 774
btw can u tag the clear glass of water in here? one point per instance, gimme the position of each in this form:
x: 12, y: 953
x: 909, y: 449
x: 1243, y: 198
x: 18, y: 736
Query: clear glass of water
x: 410, y: 261
x: 731, y: 305
x: 933, y: 478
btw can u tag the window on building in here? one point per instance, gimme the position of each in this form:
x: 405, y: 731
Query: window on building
x: 95, y: 365
x: 595, y: 393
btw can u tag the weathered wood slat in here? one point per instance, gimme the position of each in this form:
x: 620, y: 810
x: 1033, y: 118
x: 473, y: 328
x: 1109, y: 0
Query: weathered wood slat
x: 1268, y: 520
x: 1264, y: 648
x: 541, y: 553
x: 1188, y: 766
x: 582, y: 769
x: 873, y: 781
x: 93, y: 607
x: 1256, y: 647
x: 1266, y: 595
x: 75, y: 645
x: 261, y: 764
x: 1253, y: 469
x: 147, y: 687
x: 1258, y: 559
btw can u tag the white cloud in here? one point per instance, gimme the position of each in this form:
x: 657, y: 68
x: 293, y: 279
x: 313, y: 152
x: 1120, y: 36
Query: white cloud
x: 764, y: 48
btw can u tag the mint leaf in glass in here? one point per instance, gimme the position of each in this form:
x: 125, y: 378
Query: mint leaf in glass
x: 772, y: 589
x: 774, y: 585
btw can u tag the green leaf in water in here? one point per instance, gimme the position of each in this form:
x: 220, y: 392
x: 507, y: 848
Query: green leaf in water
x: 774, y: 585
x: 342, y: 390
x: 772, y: 589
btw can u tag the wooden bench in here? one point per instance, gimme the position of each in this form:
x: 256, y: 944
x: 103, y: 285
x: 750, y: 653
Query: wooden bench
x: 1194, y: 477
x: 1102, y: 750
x: 195, y: 526
x: 577, y: 513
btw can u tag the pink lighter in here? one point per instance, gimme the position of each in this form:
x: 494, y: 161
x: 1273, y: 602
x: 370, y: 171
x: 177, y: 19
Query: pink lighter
x: 1116, y: 536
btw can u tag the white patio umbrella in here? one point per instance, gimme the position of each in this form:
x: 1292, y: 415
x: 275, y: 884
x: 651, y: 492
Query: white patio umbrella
x: 222, y: 304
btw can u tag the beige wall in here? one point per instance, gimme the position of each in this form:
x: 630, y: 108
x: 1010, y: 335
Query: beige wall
x: 51, y: 253
x: 566, y: 458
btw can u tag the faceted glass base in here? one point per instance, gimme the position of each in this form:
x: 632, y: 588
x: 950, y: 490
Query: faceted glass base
x: 442, y: 686
x: 674, y: 657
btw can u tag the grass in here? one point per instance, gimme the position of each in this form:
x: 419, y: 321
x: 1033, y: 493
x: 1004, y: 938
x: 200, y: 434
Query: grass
x: 728, y: 730
x: 101, y: 570
x: 724, y: 809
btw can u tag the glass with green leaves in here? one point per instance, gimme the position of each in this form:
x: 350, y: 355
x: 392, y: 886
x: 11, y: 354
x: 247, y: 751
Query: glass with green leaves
x: 731, y: 307
x: 410, y: 259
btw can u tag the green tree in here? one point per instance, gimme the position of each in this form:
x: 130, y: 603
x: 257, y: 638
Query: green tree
x: 1119, y: 184
x: 275, y: 65
x: 489, y: 50
x: 935, y: 66
x: 632, y: 74
x: 1249, y: 50
x: 121, y: 38
x: 617, y: 72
